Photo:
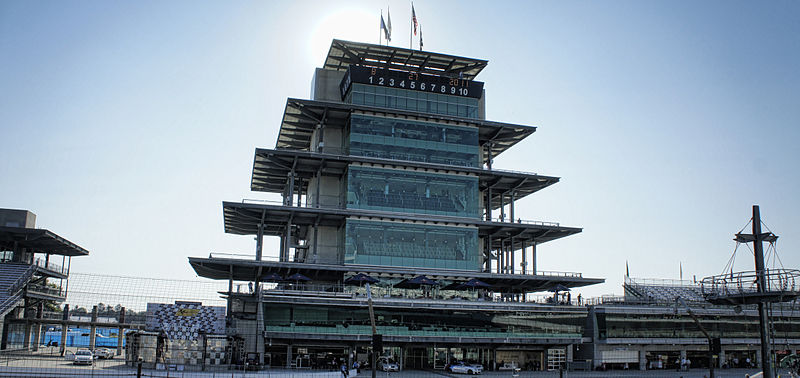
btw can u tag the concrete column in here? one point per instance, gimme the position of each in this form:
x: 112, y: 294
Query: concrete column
x: 120, y: 331
x: 350, y: 351
x: 26, y: 338
x: 229, y: 310
x: 511, y: 256
x: 37, y: 331
x: 260, y: 328
x: 759, y: 361
x: 642, y: 359
x: 93, y: 329
x: 289, y: 356
x: 569, y: 353
x: 596, y: 360
x: 37, y: 328
x: 62, y: 346
x: 721, y: 360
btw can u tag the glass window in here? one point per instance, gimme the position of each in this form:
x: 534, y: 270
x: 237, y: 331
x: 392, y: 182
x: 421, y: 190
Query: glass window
x: 404, y: 99
x: 415, y: 192
x: 413, y: 140
x: 400, y: 244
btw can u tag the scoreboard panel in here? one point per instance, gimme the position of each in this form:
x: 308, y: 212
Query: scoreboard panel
x: 410, y: 80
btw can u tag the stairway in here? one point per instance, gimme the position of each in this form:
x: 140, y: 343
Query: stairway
x: 13, y: 278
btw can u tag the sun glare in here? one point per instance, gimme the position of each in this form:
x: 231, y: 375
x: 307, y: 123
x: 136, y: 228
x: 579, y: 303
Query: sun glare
x: 352, y: 24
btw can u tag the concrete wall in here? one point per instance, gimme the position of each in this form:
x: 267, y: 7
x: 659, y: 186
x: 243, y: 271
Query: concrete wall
x: 328, y: 251
x: 329, y: 191
x: 325, y: 85
x: 17, y: 218
x: 482, y: 106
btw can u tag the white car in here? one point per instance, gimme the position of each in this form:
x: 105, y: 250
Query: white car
x: 83, y: 357
x: 388, y: 365
x: 465, y: 368
x: 104, y: 353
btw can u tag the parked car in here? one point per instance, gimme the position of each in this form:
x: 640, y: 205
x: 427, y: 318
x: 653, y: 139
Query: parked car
x: 83, y: 357
x: 508, y: 366
x: 103, y: 353
x: 387, y: 364
x: 465, y: 368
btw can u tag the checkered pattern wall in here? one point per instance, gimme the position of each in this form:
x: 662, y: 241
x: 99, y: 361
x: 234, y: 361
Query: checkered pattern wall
x: 184, y: 320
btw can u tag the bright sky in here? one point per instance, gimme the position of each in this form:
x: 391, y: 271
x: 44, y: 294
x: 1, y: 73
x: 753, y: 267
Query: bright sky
x: 124, y: 125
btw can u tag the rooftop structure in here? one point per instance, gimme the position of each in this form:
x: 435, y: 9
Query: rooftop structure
x: 30, y: 275
x: 387, y: 175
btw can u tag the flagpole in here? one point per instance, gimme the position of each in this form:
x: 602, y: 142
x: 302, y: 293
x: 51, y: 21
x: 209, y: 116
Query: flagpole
x: 411, y: 31
x: 380, y: 29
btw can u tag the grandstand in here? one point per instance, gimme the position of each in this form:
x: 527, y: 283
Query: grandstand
x: 30, y: 279
x: 12, y: 279
x: 639, y: 290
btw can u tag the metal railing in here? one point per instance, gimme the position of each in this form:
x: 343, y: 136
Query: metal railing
x: 8, y: 302
x: 22, y: 279
x: 341, y: 206
x: 660, y: 282
x: 42, y: 289
x: 738, y: 283
x: 241, y: 256
x: 388, y: 292
x: 524, y: 221
x: 40, y: 262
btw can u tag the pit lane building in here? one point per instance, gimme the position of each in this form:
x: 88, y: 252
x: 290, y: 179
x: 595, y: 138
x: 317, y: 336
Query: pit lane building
x: 388, y: 172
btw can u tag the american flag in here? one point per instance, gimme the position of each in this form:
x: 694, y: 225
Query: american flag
x: 414, y: 18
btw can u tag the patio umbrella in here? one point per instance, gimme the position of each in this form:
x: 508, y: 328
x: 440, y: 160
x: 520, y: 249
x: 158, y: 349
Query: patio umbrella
x: 557, y: 288
x: 272, y: 277
x: 474, y: 284
x: 297, y: 277
x: 416, y: 282
x: 360, y: 279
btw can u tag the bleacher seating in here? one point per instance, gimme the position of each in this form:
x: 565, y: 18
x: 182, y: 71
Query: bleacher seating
x: 656, y: 293
x: 11, y: 274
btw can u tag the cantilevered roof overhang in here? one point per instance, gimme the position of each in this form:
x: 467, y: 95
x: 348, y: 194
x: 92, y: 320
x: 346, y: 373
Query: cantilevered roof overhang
x: 38, y: 241
x: 272, y: 168
x: 302, y: 117
x: 249, y: 270
x: 344, y: 53
x: 245, y: 218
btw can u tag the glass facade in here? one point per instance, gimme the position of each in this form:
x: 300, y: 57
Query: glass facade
x: 402, y: 139
x: 402, y: 244
x: 355, y: 321
x: 413, y: 192
x: 682, y: 326
x: 404, y: 99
